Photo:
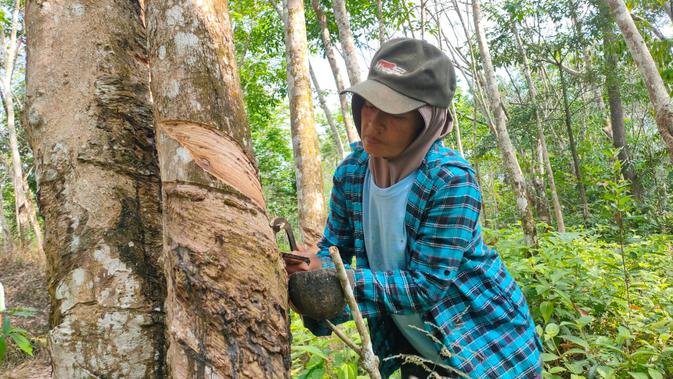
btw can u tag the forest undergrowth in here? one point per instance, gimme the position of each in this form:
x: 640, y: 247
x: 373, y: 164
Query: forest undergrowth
x: 602, y: 309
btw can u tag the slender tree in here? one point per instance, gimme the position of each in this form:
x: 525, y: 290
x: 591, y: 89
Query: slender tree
x: 336, y: 72
x: 304, y: 138
x: 514, y: 173
x: 612, y: 80
x: 7, y: 241
x: 328, y: 114
x: 577, y: 166
x: 226, y: 305
x: 661, y: 101
x: 89, y: 119
x: 541, y: 142
x: 26, y: 214
x: 346, y: 39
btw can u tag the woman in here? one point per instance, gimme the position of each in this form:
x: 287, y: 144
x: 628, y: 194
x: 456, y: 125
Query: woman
x: 407, y: 208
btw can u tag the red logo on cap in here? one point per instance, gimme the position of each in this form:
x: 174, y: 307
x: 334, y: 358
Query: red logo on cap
x: 389, y: 67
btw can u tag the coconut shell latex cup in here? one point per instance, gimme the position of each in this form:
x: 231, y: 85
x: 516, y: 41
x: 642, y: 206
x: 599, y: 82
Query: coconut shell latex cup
x: 316, y: 294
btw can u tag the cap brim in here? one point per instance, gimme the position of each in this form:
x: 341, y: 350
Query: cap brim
x: 384, y: 97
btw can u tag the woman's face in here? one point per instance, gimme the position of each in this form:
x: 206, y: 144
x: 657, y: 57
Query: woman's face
x: 386, y: 135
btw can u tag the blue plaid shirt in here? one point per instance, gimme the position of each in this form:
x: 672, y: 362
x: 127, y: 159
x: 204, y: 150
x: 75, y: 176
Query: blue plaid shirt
x: 460, y: 286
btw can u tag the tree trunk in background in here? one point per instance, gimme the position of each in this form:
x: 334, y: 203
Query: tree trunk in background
x: 588, y: 70
x: 336, y: 71
x: 304, y: 138
x: 663, y: 109
x: 617, y: 113
x: 668, y: 8
x: 577, y: 167
x: 226, y: 306
x: 7, y: 241
x: 346, y: 38
x: 542, y: 144
x: 26, y: 214
x: 509, y: 158
x: 328, y: 114
x: 379, y: 17
x: 456, y: 130
x: 89, y: 120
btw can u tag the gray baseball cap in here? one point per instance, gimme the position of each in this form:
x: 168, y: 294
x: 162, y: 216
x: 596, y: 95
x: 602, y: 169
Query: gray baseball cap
x: 406, y: 74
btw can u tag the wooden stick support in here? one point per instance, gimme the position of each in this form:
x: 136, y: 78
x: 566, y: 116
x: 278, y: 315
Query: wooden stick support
x: 370, y: 361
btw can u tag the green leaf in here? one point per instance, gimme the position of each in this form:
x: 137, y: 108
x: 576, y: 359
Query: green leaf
x: 638, y: 375
x: 576, y: 340
x: 546, y: 357
x: 310, y: 350
x: 575, y: 368
x: 551, y: 330
x: 556, y: 370
x: 606, y: 372
x: 584, y: 321
x: 23, y: 343
x: 655, y: 374
x: 546, y: 308
x: 5, y: 325
x: 3, y: 348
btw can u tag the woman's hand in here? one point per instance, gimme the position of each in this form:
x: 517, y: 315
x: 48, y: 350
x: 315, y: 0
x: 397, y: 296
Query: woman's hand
x: 293, y: 265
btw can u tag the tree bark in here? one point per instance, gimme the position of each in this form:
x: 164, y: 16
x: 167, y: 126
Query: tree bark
x: 509, y: 158
x: 456, y: 130
x: 89, y: 120
x: 617, y: 113
x: 668, y: 8
x: 336, y: 72
x: 379, y: 17
x: 577, y: 167
x: 7, y: 240
x: 346, y: 38
x: 328, y: 114
x: 541, y: 142
x: 588, y: 69
x: 26, y: 214
x: 661, y: 101
x: 226, y: 304
x: 304, y: 138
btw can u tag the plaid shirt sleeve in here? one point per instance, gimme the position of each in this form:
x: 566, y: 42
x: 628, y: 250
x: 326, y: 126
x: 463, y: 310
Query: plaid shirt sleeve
x: 445, y: 233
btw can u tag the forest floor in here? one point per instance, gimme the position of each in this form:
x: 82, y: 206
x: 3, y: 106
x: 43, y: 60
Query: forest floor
x: 23, y: 275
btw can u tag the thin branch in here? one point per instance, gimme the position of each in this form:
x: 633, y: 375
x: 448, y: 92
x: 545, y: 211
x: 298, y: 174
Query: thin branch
x: 370, y: 361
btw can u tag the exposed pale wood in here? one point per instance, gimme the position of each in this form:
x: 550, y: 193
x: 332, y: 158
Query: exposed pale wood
x: 226, y: 302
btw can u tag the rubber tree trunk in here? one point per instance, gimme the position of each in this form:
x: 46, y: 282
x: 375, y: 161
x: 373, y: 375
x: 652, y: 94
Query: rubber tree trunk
x: 351, y: 132
x: 617, y: 113
x: 89, y: 120
x: 513, y: 170
x: 226, y: 304
x: 661, y: 101
x: 577, y: 166
x: 26, y: 215
x: 346, y: 39
x: 328, y: 114
x: 541, y: 141
x: 304, y: 138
